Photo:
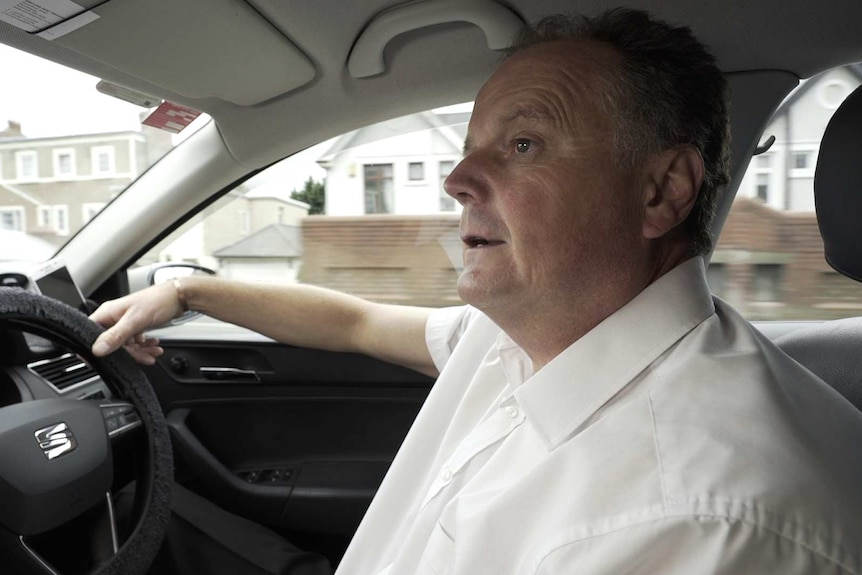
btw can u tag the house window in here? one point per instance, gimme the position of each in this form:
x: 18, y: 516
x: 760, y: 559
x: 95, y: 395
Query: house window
x: 43, y: 216
x: 64, y: 162
x: 762, y: 166
x: 766, y: 283
x: 416, y: 171
x: 61, y: 220
x: 89, y: 211
x: 447, y: 202
x: 12, y: 218
x: 379, y: 188
x: 763, y: 186
x: 801, y: 163
x: 103, y: 160
x: 27, y: 165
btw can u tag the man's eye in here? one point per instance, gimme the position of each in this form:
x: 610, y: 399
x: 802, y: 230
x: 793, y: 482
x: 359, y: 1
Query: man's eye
x: 523, y: 145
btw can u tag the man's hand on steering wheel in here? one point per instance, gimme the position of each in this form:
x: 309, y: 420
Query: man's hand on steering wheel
x: 125, y: 320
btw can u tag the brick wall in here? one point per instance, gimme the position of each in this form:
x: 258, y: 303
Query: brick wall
x: 809, y: 288
x: 385, y: 258
x: 409, y: 260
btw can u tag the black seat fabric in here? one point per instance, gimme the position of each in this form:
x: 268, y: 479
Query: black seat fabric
x: 833, y: 350
x: 838, y: 188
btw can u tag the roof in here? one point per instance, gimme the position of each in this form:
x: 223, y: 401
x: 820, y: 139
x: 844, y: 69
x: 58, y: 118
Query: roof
x: 273, y: 241
x: 274, y: 191
x: 451, y: 126
x: 56, y: 139
x: 21, y: 194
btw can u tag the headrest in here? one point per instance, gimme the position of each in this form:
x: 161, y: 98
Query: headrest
x: 838, y: 188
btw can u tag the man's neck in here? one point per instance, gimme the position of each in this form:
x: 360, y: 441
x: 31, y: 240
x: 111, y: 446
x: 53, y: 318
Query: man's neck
x: 544, y: 331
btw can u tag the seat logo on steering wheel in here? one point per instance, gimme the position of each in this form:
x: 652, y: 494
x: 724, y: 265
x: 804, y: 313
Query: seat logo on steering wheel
x: 56, y: 440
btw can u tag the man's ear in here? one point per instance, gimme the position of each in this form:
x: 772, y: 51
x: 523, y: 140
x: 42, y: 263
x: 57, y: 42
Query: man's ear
x: 674, y: 179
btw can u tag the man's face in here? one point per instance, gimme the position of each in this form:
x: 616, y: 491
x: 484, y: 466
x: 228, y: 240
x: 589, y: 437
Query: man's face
x: 550, y: 220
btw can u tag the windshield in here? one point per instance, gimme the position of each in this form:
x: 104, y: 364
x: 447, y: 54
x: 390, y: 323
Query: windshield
x: 66, y: 150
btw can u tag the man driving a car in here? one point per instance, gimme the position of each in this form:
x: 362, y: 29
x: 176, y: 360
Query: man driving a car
x: 595, y: 409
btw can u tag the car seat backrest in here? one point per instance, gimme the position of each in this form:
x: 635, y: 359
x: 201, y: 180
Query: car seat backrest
x: 833, y: 350
x: 838, y: 188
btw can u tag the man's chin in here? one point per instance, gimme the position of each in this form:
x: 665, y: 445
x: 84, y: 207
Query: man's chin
x: 476, y: 290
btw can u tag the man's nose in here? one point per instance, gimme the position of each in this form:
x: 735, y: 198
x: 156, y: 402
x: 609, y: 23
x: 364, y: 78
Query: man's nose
x: 467, y: 182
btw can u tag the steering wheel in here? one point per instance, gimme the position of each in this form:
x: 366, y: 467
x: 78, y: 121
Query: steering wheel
x: 56, y: 460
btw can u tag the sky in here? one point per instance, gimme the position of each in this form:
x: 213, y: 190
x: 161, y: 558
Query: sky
x: 50, y: 100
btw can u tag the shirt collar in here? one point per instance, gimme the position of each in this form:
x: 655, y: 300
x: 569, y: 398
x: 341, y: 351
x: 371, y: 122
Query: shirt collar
x: 570, y: 388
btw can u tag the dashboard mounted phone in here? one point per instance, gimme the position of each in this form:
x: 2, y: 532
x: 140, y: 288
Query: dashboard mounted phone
x: 51, y: 279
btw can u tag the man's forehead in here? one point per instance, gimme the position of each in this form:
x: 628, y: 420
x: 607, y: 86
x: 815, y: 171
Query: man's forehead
x: 552, y: 82
x: 561, y: 65
x: 523, y: 111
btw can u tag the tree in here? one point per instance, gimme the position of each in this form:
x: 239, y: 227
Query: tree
x: 312, y: 193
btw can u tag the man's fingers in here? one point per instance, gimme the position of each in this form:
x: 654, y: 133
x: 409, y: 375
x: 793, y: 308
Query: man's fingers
x: 143, y: 357
x: 117, y: 335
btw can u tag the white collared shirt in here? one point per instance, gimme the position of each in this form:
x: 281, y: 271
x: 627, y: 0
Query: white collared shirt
x: 671, y: 439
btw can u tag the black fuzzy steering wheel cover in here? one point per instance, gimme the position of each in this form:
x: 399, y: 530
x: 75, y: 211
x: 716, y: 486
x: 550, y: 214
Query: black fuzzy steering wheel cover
x: 25, y: 311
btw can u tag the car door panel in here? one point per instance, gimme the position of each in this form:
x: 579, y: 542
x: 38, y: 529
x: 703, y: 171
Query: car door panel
x: 302, y: 446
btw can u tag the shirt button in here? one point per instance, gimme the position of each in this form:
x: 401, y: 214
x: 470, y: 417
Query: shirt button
x: 512, y: 411
x: 446, y: 475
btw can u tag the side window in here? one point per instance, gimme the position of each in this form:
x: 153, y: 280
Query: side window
x: 364, y: 213
x: 769, y: 260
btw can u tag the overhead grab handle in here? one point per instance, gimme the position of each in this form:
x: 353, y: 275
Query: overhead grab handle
x: 498, y: 23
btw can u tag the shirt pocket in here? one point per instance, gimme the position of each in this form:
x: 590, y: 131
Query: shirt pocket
x: 439, y: 555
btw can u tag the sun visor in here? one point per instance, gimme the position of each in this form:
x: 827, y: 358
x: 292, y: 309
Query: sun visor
x: 195, y: 48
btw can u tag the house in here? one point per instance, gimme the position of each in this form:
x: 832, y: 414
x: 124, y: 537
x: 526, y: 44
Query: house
x: 50, y: 187
x: 395, y: 167
x: 272, y: 254
x: 241, y: 220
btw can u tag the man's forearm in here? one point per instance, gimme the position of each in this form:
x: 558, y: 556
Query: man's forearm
x: 313, y: 317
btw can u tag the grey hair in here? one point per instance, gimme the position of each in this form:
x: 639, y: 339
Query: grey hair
x: 667, y: 91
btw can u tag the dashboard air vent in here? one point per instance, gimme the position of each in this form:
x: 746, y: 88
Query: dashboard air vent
x: 63, y: 372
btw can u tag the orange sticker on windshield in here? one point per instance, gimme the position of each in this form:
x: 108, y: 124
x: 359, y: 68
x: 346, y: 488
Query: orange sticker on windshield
x: 171, y: 117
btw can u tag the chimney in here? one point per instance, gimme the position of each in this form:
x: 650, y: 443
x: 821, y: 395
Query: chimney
x: 13, y: 130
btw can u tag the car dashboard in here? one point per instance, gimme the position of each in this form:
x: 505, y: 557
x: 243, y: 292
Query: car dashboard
x: 32, y: 366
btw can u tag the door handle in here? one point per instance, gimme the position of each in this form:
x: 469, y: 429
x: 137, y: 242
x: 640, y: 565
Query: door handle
x: 229, y: 374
